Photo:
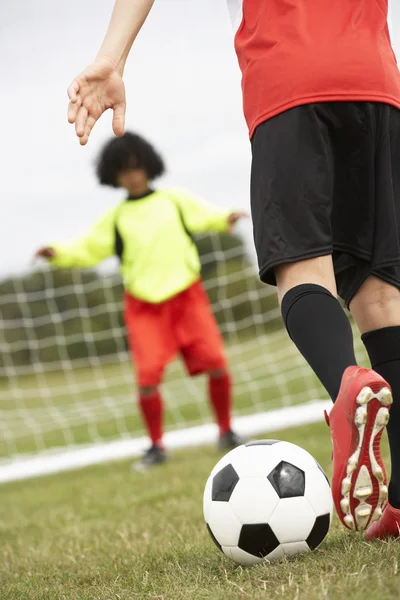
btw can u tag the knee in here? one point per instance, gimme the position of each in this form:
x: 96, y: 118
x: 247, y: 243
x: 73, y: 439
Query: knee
x: 376, y: 296
x: 385, y: 297
x: 147, y: 391
x: 376, y: 305
x: 218, y: 373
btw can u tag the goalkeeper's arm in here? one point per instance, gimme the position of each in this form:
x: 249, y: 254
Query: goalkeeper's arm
x: 200, y: 216
x: 86, y: 252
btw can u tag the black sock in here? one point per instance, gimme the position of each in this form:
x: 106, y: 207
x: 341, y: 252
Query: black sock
x: 383, y: 347
x: 320, y: 329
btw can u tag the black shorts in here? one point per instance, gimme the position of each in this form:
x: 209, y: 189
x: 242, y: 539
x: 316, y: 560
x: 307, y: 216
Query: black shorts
x: 326, y: 180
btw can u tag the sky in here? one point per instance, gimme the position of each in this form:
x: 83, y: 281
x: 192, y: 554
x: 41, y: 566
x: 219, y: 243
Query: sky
x: 183, y: 91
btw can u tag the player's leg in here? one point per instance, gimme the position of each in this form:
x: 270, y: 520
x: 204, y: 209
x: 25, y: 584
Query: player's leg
x: 151, y: 348
x: 315, y: 320
x: 203, y: 352
x: 152, y: 409
x: 292, y: 194
x: 310, y: 194
x: 220, y: 396
x: 376, y: 306
x: 376, y: 309
x: 319, y: 327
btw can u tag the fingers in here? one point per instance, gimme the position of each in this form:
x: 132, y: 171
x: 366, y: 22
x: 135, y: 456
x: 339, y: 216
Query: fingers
x: 46, y: 252
x: 236, y: 216
x: 75, y: 101
x: 118, y: 123
x: 89, y: 126
x: 91, y: 93
x: 73, y: 91
x: 81, y: 121
x: 239, y: 214
x: 73, y: 108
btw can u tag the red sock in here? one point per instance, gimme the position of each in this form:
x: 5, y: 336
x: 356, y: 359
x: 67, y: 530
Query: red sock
x: 151, y: 408
x: 220, y: 398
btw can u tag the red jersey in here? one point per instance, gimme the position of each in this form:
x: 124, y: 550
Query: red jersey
x: 294, y: 52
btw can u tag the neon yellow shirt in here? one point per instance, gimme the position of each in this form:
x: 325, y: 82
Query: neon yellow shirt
x: 159, y: 258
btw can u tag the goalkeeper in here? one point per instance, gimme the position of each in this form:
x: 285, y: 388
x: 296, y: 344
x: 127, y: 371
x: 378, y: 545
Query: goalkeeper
x: 167, y: 310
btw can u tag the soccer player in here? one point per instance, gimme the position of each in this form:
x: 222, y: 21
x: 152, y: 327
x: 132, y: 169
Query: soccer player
x: 321, y: 95
x: 167, y: 310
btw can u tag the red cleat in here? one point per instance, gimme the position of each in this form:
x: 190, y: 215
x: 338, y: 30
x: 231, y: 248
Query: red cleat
x: 388, y: 525
x: 357, y: 419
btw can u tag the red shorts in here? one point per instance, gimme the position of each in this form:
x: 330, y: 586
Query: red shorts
x: 183, y: 324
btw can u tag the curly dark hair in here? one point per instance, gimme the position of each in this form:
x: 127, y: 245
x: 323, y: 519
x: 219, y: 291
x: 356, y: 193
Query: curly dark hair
x: 127, y: 151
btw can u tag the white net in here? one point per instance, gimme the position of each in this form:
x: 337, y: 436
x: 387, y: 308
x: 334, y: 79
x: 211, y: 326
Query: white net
x: 66, y: 378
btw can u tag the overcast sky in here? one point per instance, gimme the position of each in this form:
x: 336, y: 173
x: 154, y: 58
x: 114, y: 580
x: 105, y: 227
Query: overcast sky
x: 183, y: 89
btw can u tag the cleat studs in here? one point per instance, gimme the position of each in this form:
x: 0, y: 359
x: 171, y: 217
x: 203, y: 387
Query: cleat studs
x: 365, y: 396
x: 378, y: 472
x: 361, y: 416
x: 385, y: 397
x: 377, y: 514
x: 352, y: 465
x: 382, y: 417
x: 384, y: 493
x: 349, y: 522
x: 364, y: 512
x: 345, y: 505
x: 362, y: 493
x: 346, y: 484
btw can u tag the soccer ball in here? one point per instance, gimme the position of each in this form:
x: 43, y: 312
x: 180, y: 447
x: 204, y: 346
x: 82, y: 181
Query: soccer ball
x: 265, y: 500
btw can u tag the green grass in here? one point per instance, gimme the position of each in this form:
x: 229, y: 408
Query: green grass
x: 106, y: 533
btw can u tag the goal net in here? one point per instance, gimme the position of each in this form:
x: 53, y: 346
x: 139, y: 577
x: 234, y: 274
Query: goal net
x: 66, y: 377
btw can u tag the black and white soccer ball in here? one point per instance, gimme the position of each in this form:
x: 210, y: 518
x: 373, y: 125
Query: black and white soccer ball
x: 265, y: 500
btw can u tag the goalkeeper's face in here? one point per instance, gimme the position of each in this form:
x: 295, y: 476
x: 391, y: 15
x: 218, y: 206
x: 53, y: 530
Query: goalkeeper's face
x: 134, y: 180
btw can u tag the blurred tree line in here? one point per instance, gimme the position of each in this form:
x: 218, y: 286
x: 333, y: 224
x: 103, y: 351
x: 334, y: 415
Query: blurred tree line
x: 54, y: 315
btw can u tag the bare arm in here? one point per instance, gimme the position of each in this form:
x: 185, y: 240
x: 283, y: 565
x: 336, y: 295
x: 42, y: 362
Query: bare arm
x: 100, y: 85
x: 126, y: 21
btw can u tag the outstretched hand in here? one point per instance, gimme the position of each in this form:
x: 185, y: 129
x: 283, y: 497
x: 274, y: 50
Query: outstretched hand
x: 96, y: 89
x: 46, y: 252
x: 235, y: 217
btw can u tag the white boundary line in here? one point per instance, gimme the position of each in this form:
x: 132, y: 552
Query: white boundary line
x: 78, y: 458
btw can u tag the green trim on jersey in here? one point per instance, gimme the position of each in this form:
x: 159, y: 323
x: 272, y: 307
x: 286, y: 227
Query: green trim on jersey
x: 159, y: 258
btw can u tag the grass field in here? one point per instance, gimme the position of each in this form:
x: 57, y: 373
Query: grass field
x: 106, y: 533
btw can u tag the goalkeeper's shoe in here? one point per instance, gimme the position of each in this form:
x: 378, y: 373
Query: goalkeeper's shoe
x: 154, y: 456
x: 357, y: 419
x: 388, y: 525
x: 230, y: 440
